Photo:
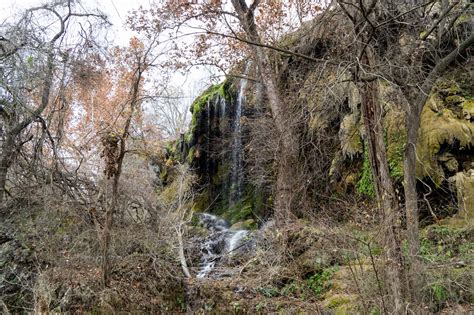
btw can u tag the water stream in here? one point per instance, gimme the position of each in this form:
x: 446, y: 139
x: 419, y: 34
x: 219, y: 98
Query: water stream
x: 237, y: 149
x: 222, y: 243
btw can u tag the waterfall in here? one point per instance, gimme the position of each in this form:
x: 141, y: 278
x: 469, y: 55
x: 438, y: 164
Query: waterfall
x: 221, y: 242
x: 237, y: 150
x: 223, y: 105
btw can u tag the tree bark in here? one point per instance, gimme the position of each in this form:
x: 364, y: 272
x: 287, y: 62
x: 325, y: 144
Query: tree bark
x: 384, y: 189
x: 109, y: 217
x: 182, y: 257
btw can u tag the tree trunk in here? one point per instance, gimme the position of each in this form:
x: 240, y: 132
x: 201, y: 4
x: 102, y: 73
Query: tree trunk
x: 288, y: 151
x: 182, y: 257
x: 3, y: 176
x: 8, y: 147
x: 109, y: 217
x: 106, y: 265
x: 289, y: 148
x: 385, y: 192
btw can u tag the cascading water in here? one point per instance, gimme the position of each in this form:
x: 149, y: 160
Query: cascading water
x: 221, y: 242
x: 222, y: 104
x: 237, y: 151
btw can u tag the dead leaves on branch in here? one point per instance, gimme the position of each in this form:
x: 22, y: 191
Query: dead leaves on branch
x: 110, y: 153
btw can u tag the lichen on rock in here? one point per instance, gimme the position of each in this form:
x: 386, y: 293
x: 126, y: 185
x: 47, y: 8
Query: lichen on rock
x: 349, y: 135
x: 440, y: 126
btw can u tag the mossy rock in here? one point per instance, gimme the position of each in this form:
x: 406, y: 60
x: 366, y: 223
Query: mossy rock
x: 447, y: 88
x: 468, y: 109
x: 249, y: 224
x: 465, y: 196
x: 201, y: 202
x: 198, y: 108
x: 239, y: 212
x: 340, y: 303
x: 349, y: 135
x: 395, y: 139
x: 454, y: 100
x: 439, y: 126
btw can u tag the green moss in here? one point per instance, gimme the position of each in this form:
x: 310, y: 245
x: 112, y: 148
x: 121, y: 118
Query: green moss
x: 365, y: 185
x: 188, y: 137
x: 201, y: 102
x: 164, y: 175
x: 468, y: 109
x: 464, y: 18
x: 438, y: 292
x: 338, y: 301
x: 349, y: 136
x: 395, y: 155
x: 202, y: 202
x: 447, y: 88
x: 239, y: 212
x: 170, y: 148
x: 222, y: 173
x: 454, y: 100
x: 436, y: 130
x: 190, y: 157
x: 468, y: 105
x: 395, y: 140
x: 225, y: 90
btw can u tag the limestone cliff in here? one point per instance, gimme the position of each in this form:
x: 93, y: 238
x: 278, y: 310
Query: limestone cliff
x: 326, y: 106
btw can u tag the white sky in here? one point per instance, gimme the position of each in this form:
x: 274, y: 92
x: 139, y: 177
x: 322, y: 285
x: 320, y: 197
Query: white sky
x: 117, y: 11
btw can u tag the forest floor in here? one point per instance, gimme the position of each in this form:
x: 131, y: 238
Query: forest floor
x: 49, y: 262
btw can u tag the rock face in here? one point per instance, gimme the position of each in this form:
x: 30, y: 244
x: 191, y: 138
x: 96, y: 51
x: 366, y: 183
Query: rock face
x: 214, y: 147
x: 332, y: 135
x: 465, y: 194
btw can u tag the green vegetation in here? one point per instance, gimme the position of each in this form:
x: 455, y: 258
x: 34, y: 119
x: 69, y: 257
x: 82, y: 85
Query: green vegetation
x: 442, y: 124
x: 224, y: 89
x: 365, y: 185
x: 321, y: 282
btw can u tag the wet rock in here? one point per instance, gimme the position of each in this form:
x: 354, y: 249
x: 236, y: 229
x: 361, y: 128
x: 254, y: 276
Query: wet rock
x: 221, y: 247
x: 244, y: 225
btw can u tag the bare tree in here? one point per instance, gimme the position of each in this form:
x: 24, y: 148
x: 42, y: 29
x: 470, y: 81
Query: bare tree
x: 115, y: 150
x: 417, y: 91
x: 289, y: 147
x: 375, y: 23
x: 26, y: 87
x: 359, y: 14
x: 170, y: 111
x: 180, y: 210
